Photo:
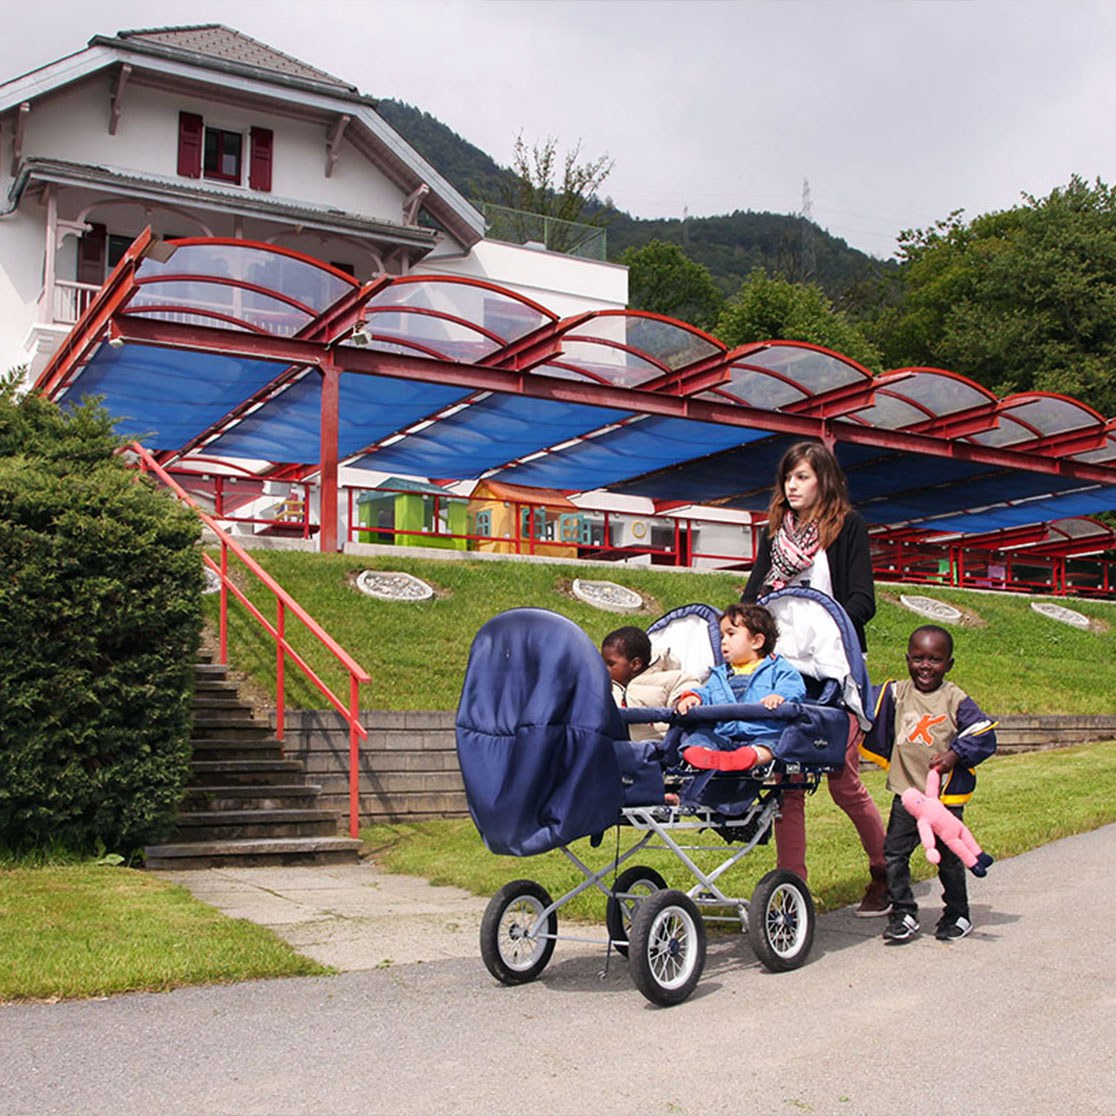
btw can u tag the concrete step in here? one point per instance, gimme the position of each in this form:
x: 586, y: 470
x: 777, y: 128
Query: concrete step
x: 253, y: 853
x: 216, y: 728
x: 233, y: 825
x: 245, y: 748
x: 243, y: 772
x: 275, y: 796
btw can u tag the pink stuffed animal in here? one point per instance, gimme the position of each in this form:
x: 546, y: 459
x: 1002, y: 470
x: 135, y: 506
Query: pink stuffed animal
x: 934, y: 820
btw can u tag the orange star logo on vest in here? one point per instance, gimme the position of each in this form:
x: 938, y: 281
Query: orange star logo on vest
x: 921, y: 731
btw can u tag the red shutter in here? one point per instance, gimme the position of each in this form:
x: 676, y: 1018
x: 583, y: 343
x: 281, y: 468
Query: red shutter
x: 259, y: 170
x: 92, y: 252
x: 191, y: 132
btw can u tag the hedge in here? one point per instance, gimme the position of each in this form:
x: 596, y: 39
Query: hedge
x: 100, y: 614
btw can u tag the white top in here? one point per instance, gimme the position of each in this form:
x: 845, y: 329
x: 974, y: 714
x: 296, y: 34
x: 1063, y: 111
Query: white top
x: 816, y: 575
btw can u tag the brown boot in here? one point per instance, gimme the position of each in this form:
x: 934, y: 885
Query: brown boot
x: 876, y: 901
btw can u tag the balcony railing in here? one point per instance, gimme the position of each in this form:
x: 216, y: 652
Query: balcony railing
x: 571, y: 238
x: 70, y: 300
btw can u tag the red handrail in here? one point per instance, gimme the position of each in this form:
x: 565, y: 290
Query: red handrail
x: 285, y: 605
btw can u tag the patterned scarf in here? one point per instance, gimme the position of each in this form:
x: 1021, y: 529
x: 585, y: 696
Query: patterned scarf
x: 792, y: 551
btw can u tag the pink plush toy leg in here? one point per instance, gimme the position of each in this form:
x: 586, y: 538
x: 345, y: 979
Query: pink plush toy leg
x: 935, y: 822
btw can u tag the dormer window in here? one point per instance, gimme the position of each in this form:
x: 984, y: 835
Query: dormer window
x: 218, y: 153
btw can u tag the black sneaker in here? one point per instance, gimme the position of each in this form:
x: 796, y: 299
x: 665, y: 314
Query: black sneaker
x: 953, y: 929
x: 900, y: 928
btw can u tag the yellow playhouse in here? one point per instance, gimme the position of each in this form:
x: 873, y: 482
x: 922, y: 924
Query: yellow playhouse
x: 514, y: 519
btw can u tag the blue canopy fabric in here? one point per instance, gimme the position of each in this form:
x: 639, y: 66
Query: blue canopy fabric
x: 214, y: 347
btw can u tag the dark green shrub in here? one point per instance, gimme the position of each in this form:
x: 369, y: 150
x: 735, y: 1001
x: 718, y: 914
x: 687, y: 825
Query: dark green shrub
x: 100, y: 607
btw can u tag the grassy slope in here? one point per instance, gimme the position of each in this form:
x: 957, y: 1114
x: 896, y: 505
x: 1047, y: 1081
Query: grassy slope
x: 1011, y: 659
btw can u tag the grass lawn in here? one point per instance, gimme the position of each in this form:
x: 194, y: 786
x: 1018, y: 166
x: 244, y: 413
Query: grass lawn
x: 1011, y: 659
x: 82, y: 930
x: 1022, y: 802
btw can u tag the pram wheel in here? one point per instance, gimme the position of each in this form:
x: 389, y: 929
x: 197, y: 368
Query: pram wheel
x: 630, y: 889
x: 667, y: 947
x: 781, y: 921
x: 509, y: 953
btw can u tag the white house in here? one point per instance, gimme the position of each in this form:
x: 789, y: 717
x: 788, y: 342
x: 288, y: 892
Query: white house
x: 203, y: 131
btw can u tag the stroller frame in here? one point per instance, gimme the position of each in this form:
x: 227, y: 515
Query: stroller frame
x: 547, y: 760
x: 662, y: 930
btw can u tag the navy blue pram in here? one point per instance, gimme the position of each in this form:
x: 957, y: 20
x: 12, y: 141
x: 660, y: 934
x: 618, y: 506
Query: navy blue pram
x: 546, y: 760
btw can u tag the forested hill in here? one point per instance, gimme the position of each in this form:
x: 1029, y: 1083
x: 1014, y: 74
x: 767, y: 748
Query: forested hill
x: 730, y: 246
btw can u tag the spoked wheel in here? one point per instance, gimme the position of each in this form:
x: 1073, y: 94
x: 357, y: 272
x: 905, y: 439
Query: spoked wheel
x: 632, y: 886
x: 667, y: 947
x: 510, y: 954
x: 781, y: 921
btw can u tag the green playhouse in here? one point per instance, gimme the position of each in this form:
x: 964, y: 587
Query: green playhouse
x: 411, y: 513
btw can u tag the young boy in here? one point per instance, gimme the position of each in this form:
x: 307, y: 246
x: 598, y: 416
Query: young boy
x: 640, y: 681
x: 921, y: 724
x: 751, y: 673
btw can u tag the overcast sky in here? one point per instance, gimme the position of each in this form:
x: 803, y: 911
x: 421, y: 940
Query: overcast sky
x: 896, y: 111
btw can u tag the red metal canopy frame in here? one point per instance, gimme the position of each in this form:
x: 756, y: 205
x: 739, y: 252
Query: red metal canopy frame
x: 686, y: 375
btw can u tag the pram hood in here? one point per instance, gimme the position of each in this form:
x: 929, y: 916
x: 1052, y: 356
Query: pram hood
x: 818, y: 639
x: 537, y: 730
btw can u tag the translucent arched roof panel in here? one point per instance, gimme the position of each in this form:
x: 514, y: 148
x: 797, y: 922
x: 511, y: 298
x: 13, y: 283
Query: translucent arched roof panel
x: 757, y: 387
x: 287, y: 427
x: 892, y: 412
x: 815, y: 370
x: 558, y: 371
x: 486, y: 435
x: 194, y: 390
x: 1078, y: 527
x: 1106, y: 454
x: 670, y: 344
x: 608, y: 363
x: 306, y: 281
x: 493, y: 310
x: 917, y: 395
x: 447, y: 337
x: 777, y: 374
x: 612, y: 456
x: 225, y: 303
x: 1025, y: 418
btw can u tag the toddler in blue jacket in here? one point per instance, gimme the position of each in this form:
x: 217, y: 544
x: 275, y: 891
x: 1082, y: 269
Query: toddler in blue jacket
x: 752, y: 673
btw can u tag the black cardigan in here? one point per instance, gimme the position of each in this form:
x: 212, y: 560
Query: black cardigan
x: 850, y: 568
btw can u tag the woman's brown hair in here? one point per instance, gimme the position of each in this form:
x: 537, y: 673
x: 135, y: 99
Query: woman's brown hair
x: 832, y: 504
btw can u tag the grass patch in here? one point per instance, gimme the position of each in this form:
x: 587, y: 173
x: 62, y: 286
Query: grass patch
x: 1012, y: 660
x: 82, y: 930
x: 1009, y: 815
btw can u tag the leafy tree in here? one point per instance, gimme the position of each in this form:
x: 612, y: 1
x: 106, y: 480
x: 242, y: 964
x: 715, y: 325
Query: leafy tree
x: 561, y: 190
x: 1019, y: 300
x: 101, y: 599
x: 663, y: 280
x: 767, y: 309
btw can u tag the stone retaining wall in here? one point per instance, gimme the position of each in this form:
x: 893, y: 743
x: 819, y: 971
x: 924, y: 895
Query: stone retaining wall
x: 409, y: 772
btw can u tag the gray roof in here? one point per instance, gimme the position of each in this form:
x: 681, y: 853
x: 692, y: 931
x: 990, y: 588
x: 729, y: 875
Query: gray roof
x: 217, y: 41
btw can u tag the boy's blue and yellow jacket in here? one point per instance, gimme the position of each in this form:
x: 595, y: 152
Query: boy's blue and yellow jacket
x: 910, y: 727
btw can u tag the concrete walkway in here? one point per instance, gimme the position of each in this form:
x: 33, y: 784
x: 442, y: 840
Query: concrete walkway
x: 352, y: 917
x: 1018, y: 1018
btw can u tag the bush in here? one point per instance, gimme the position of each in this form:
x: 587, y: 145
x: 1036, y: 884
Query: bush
x: 100, y: 593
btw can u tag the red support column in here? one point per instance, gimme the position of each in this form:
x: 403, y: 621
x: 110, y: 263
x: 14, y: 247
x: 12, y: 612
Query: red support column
x: 331, y: 380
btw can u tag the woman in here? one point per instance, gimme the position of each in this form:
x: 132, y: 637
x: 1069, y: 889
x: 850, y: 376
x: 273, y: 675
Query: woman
x: 815, y: 537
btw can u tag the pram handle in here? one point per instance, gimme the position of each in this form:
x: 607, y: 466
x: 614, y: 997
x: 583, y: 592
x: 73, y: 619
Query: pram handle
x: 705, y: 714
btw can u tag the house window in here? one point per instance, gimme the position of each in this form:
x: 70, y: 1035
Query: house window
x: 218, y: 153
x: 222, y: 154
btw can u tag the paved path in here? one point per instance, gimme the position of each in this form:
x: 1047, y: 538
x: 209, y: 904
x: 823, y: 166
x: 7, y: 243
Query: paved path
x: 1018, y: 1018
